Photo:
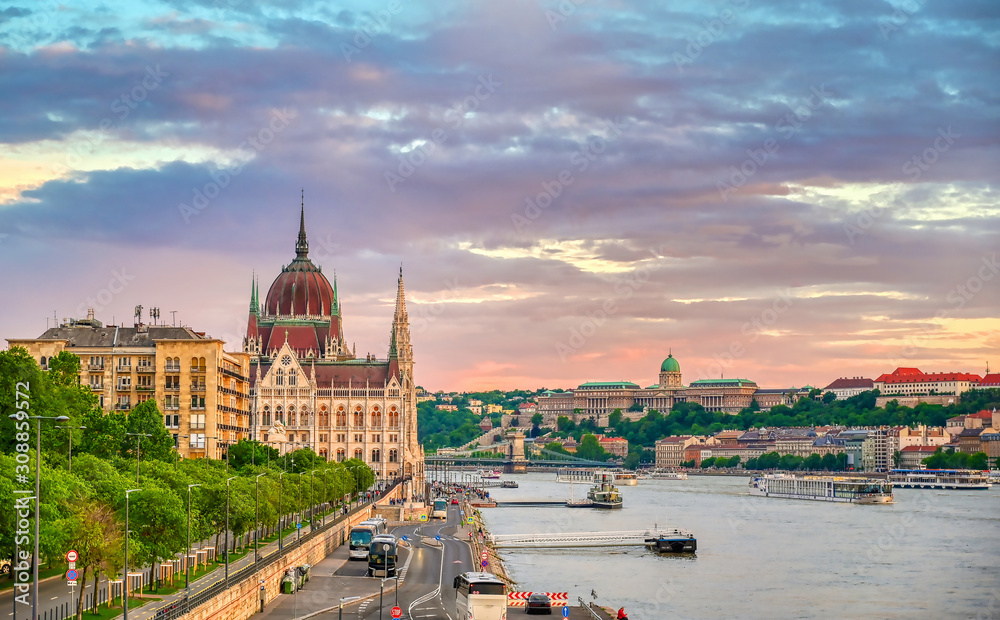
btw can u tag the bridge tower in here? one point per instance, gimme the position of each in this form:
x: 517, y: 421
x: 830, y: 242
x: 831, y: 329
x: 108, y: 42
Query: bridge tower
x: 515, y: 463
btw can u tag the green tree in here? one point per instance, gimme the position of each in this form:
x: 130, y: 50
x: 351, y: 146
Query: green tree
x: 709, y: 462
x: 536, y: 419
x: 250, y: 452
x: 96, y: 536
x: 146, y: 418
x: 829, y: 397
x: 590, y: 449
x: 158, y: 521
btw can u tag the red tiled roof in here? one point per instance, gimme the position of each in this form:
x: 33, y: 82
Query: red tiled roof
x: 985, y: 414
x: 854, y: 382
x: 919, y: 449
x: 897, y: 377
x: 990, y: 380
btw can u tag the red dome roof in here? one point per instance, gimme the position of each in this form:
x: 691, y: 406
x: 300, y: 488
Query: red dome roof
x: 301, y: 288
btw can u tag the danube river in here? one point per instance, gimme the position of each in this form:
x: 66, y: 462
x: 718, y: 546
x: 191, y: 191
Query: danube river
x: 931, y: 554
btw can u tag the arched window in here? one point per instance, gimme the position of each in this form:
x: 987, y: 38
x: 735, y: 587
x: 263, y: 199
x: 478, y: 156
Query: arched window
x: 304, y: 419
x: 292, y: 419
x: 279, y: 415
x: 358, y: 454
x: 194, y: 363
x: 266, y: 418
x: 359, y: 418
x: 341, y: 455
x: 279, y: 377
x: 376, y: 417
x: 393, y: 418
x: 292, y: 377
x: 341, y: 418
x: 201, y: 364
x: 43, y: 362
x: 376, y: 455
x: 393, y: 456
x: 324, y: 417
x: 323, y: 454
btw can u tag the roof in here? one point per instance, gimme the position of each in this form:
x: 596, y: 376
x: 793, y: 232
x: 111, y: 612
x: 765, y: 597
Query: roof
x: 853, y: 382
x: 913, y: 375
x: 674, y: 439
x: 670, y: 364
x: 612, y: 439
x: 919, y: 449
x: 608, y: 385
x: 971, y: 432
x: 118, y: 336
x: 990, y: 380
x: 985, y: 414
x: 722, y: 383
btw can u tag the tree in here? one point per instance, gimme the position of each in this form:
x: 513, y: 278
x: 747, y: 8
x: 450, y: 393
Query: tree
x: 159, y: 521
x: 709, y: 462
x: 564, y: 424
x: 555, y: 446
x: 97, y: 538
x: 591, y: 449
x: 829, y: 397
x: 249, y: 452
x: 536, y: 419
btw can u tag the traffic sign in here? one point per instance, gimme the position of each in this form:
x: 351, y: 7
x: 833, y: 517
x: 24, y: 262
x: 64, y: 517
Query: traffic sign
x: 404, y: 537
x: 438, y: 537
x: 71, y: 575
x: 566, y: 611
x: 470, y: 521
x: 396, y: 612
x: 423, y: 517
x: 71, y: 583
x: 71, y: 556
x: 298, y: 526
x: 482, y: 556
x: 485, y: 563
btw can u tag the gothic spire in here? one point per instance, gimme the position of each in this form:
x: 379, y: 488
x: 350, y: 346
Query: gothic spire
x: 400, y: 315
x: 336, y: 304
x: 302, y: 246
x: 253, y: 294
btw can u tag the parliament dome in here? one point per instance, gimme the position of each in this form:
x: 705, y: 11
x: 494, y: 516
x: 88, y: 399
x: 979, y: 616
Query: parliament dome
x: 301, y: 288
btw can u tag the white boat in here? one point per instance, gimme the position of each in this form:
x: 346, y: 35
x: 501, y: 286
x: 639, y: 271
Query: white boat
x: 822, y: 488
x: 573, y: 475
x: 626, y: 478
x: 490, y: 474
x: 668, y: 475
x: 604, y: 494
x: 957, y: 479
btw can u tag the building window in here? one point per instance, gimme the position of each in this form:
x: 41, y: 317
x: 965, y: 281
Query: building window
x: 266, y: 419
x: 358, y: 437
x: 376, y: 418
x: 341, y: 437
x: 359, y: 418
x: 358, y: 454
x: 393, y: 438
x: 291, y: 377
x: 198, y: 441
x: 341, y: 418
x: 279, y: 377
x: 376, y: 438
x: 376, y: 455
x: 291, y: 437
x: 393, y: 456
x: 341, y: 455
x: 393, y: 418
x: 279, y: 415
x: 197, y: 421
x: 197, y: 402
x: 125, y: 383
x: 292, y: 418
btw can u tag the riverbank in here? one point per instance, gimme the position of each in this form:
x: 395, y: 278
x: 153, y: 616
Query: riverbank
x: 480, y: 543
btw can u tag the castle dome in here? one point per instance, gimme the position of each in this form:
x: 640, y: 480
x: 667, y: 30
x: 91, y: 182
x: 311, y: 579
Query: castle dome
x: 300, y: 288
x: 670, y: 364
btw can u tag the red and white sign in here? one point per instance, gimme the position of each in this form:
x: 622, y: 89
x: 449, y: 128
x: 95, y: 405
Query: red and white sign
x: 71, y: 556
x: 520, y: 599
x: 396, y: 612
x: 482, y: 556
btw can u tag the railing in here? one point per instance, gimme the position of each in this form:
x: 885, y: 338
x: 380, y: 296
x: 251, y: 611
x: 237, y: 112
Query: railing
x: 171, y: 368
x: 172, y: 388
x: 197, y: 387
x: 198, y: 369
x: 593, y: 614
x: 145, y: 368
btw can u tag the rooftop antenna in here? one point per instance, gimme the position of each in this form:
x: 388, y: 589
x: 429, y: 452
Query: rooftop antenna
x: 154, y: 314
x: 173, y: 313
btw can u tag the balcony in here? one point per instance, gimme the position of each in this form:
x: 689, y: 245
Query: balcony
x: 172, y: 387
x: 122, y: 368
x: 171, y: 407
x: 197, y: 407
x: 197, y: 387
x: 144, y: 388
x: 145, y: 368
x: 123, y: 406
x: 171, y: 368
x: 198, y: 369
x: 96, y: 368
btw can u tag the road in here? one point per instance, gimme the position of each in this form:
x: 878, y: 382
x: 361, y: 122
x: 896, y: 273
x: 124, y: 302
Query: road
x: 426, y: 588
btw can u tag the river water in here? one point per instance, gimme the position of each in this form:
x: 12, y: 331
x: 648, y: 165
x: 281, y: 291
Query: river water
x: 931, y: 554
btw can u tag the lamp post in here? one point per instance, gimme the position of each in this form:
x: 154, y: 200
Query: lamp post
x: 340, y: 612
x: 227, y: 528
x: 38, y: 493
x: 138, y: 437
x: 187, y: 558
x: 70, y: 455
x: 207, y: 457
x: 312, y: 500
x: 256, y: 518
x: 125, y: 584
x: 281, y: 495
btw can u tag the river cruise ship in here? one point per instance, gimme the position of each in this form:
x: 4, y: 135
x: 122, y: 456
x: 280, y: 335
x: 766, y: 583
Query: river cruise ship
x: 958, y: 479
x: 822, y: 488
x: 574, y: 475
x: 667, y: 475
x: 604, y: 494
x: 626, y: 478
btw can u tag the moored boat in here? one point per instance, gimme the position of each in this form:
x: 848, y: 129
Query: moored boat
x: 490, y: 474
x: 955, y: 479
x: 822, y: 488
x: 604, y: 494
x: 627, y: 478
x: 672, y: 541
x: 667, y: 475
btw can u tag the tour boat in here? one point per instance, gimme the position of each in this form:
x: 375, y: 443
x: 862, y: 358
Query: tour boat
x: 573, y: 475
x: 627, y: 478
x: 490, y: 474
x: 822, y: 488
x: 958, y: 479
x: 668, y: 475
x: 671, y: 541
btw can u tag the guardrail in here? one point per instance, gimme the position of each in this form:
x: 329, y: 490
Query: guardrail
x: 593, y: 614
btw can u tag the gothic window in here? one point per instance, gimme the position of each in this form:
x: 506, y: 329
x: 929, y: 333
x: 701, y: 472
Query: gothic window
x: 341, y: 455
x: 376, y: 418
x: 376, y: 455
x: 341, y: 417
x: 279, y: 377
x: 304, y: 417
x: 292, y: 377
x: 393, y: 418
x: 267, y: 416
x: 279, y: 415
x: 393, y: 456
x: 324, y: 417
x: 359, y: 418
x: 358, y: 454
x: 293, y: 420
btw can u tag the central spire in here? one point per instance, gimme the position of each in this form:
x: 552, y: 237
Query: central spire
x: 302, y: 246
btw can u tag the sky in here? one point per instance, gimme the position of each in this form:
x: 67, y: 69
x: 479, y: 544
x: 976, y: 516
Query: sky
x: 783, y: 191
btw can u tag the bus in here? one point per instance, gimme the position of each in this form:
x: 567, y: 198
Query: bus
x: 378, y: 524
x: 480, y: 596
x: 382, y: 556
x: 440, y: 509
x: 360, y: 538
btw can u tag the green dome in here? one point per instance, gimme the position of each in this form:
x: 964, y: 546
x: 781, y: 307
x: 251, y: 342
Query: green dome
x: 670, y: 364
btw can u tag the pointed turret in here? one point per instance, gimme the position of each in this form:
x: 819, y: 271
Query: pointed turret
x: 302, y: 245
x: 336, y: 303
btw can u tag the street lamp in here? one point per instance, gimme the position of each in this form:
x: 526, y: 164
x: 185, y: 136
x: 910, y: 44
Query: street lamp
x: 207, y: 457
x: 340, y: 612
x: 138, y: 436
x: 256, y: 518
x: 38, y: 493
x: 71, y: 442
x: 312, y: 500
x: 125, y: 585
x: 227, y: 528
x: 281, y: 514
x: 187, y: 559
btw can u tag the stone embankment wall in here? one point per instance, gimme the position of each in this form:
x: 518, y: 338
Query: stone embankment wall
x: 242, y: 599
x: 496, y: 565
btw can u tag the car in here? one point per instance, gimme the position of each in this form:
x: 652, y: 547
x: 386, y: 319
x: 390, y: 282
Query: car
x: 538, y: 604
x: 454, y: 501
